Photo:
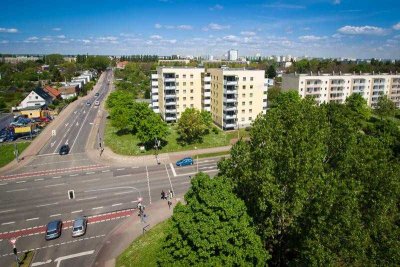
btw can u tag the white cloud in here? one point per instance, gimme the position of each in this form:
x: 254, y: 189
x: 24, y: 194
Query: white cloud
x: 336, y: 2
x: 9, y: 30
x: 216, y: 7
x: 308, y: 38
x: 47, y: 38
x: 126, y: 34
x: 247, y: 33
x: 169, y: 27
x: 216, y: 27
x: 157, y: 26
x: 396, y: 26
x: 156, y: 37
x: 173, y: 41
x: 4, y: 42
x: 363, y: 30
x: 62, y: 36
x: 32, y: 39
x: 184, y: 27
x: 86, y: 41
x: 231, y: 38
x: 56, y: 29
x: 107, y: 38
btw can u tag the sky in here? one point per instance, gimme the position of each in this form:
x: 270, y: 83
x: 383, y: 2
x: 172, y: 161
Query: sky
x: 314, y: 28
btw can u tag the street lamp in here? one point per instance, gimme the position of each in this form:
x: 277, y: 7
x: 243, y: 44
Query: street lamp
x: 13, y: 241
x: 156, y: 145
x: 197, y: 160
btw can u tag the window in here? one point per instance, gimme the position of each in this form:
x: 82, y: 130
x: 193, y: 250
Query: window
x: 177, y: 83
x: 177, y: 91
x: 191, y: 98
x: 251, y: 78
x: 243, y: 111
x: 251, y: 94
x: 184, y: 83
x: 184, y: 98
x: 243, y: 103
x: 191, y: 76
x: 244, y: 79
x: 244, y: 86
x: 191, y: 105
x: 250, y: 111
x: 36, y: 97
x: 184, y: 105
x: 176, y: 76
x: 184, y: 91
x: 251, y: 86
x: 250, y: 118
x: 251, y: 103
x: 191, y: 83
x: 191, y: 91
x: 184, y: 75
x: 243, y: 95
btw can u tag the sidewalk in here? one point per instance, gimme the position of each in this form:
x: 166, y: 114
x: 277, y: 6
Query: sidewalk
x: 130, y: 229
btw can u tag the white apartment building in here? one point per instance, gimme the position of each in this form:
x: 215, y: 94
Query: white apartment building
x: 233, y: 96
x: 233, y: 55
x: 337, y: 87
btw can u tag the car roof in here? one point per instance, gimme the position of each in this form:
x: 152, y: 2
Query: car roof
x: 79, y: 221
x: 53, y: 224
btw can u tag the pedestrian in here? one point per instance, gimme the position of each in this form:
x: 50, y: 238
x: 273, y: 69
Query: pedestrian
x: 169, y: 204
x: 162, y: 194
x: 171, y: 194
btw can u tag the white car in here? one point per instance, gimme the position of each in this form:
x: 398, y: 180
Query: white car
x: 97, y: 103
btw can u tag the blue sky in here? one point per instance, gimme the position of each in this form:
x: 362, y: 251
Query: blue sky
x: 318, y: 28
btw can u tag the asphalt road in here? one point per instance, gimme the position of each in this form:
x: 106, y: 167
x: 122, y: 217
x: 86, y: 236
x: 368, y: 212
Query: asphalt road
x: 38, y: 193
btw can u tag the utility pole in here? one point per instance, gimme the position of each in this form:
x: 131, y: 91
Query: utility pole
x: 197, y: 160
x: 156, y: 145
x: 16, y: 151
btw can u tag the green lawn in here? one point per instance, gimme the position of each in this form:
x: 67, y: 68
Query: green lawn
x: 7, y: 152
x: 143, y: 251
x: 128, y: 144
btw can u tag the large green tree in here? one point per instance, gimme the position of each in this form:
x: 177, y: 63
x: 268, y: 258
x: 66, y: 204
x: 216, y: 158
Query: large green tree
x: 191, y: 126
x: 359, y: 105
x: 385, y: 107
x: 212, y: 229
x: 320, y: 190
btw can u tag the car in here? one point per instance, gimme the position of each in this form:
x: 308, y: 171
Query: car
x: 64, y: 150
x: 96, y: 94
x: 79, y: 226
x: 184, y: 162
x: 88, y: 103
x: 96, y: 103
x: 53, y: 229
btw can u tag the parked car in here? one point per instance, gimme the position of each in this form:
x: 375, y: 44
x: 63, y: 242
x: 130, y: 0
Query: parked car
x: 96, y: 103
x: 64, y: 150
x: 88, y: 103
x: 184, y: 162
x: 96, y: 94
x: 79, y: 226
x: 53, y: 229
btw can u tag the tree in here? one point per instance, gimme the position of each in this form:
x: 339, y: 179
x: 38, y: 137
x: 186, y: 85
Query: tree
x: 151, y: 128
x: 191, y: 126
x: 212, y: 229
x: 385, y: 107
x: 271, y: 72
x: 359, y: 105
x: 100, y: 63
x: 311, y: 179
x: 54, y: 59
x: 273, y: 93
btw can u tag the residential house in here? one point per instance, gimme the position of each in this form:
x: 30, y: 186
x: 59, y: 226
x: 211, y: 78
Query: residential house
x: 52, y: 92
x: 121, y: 65
x: 35, y: 112
x: 68, y: 92
x: 36, y: 98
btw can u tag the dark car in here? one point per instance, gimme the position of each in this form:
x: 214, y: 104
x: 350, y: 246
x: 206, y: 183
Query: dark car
x: 79, y: 226
x: 184, y: 162
x: 96, y: 94
x: 53, y: 229
x: 64, y: 150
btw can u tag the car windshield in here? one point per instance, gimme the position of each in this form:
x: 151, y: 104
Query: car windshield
x: 51, y: 232
x: 77, y: 228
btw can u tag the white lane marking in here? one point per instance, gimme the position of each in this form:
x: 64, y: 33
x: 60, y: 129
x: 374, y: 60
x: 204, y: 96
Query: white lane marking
x: 55, y: 215
x: 148, y: 182
x: 56, y: 177
x: 76, y: 211
x: 173, y: 169
x: 121, y: 169
x: 105, y: 171
x: 80, y: 129
x: 7, y: 223
x: 87, y: 198
x: 207, y: 168
x: 59, y: 259
x: 169, y: 178
x: 66, y: 124
x: 17, y: 190
x: 32, y: 219
x: 20, y: 182
x: 38, y: 263
x: 193, y: 173
x: 123, y: 193
x: 125, y: 175
x: 39, y: 179
x: 185, y: 183
x: 52, y: 144
x: 53, y: 185
x: 90, y: 172
x: 49, y: 204
x: 135, y: 167
x: 3, y: 183
x: 91, y: 180
x: 4, y: 211
x: 135, y: 201
x: 97, y: 208
x: 117, y: 204
x: 72, y: 175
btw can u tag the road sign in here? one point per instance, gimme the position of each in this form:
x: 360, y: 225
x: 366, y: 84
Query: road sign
x: 53, y: 133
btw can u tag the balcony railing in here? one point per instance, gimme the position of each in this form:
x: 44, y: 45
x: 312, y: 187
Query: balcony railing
x: 229, y: 82
x: 169, y: 79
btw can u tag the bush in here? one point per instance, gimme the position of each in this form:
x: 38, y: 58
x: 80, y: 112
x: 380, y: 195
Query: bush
x: 215, y: 130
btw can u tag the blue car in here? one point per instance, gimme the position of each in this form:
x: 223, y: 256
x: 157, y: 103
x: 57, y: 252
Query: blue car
x: 184, y: 162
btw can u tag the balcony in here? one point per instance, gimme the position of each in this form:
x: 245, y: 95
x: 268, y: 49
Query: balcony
x: 336, y: 96
x: 229, y: 116
x: 154, y: 76
x: 154, y: 98
x: 170, y: 87
x: 230, y: 125
x: 170, y: 103
x: 207, y: 94
x: 154, y: 90
x: 169, y: 79
x: 337, y: 82
x: 207, y: 101
x: 170, y: 118
x: 230, y: 100
x: 154, y: 83
x: 230, y: 108
x: 313, y: 90
x: 156, y: 109
x: 378, y: 88
x: 170, y: 111
x: 207, y: 86
x: 337, y: 89
x: 230, y: 82
x: 314, y: 82
x: 207, y: 79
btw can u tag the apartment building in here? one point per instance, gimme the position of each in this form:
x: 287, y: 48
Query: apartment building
x: 337, y: 87
x: 233, y: 96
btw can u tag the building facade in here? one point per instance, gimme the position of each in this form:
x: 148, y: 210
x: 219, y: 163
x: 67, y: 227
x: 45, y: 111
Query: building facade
x: 233, y: 55
x: 234, y: 97
x: 337, y: 87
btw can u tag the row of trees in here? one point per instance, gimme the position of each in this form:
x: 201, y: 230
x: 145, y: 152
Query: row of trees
x: 320, y: 184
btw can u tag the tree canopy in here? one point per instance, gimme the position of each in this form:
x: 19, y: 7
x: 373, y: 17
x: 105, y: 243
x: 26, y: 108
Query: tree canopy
x: 212, y: 229
x: 385, y: 106
x: 193, y: 125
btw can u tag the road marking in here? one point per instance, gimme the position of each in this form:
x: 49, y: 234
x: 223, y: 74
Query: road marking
x: 118, y: 204
x: 59, y: 259
x: 135, y: 167
x: 53, y: 185
x: 185, y: 183
x: 125, y: 175
x: 55, y: 215
x: 87, y: 198
x: 52, y: 144
x: 56, y: 177
x: 90, y: 172
x: 49, y: 204
x: 79, y: 131
x: 121, y: 169
x: 20, y: 182
x: 66, y: 124
x: 32, y: 219
x: 123, y: 193
x: 193, y: 173
x: 39, y: 179
x: 40, y: 262
x: 76, y: 211
x: 105, y: 171
x: 72, y: 175
x: 169, y: 178
x: 91, y: 180
x: 173, y: 169
x: 135, y: 201
x: 3, y: 183
x: 17, y: 190
x: 4, y: 211
x: 7, y: 223
x: 97, y: 208
x: 148, y: 182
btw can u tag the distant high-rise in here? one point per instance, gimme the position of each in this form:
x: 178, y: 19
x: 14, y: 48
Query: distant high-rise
x: 233, y: 55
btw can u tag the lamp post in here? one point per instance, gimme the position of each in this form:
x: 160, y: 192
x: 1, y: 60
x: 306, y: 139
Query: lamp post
x: 15, y: 251
x: 156, y: 145
x: 197, y: 160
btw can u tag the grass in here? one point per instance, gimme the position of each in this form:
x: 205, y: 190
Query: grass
x: 216, y: 154
x: 26, y: 260
x: 144, y: 250
x: 127, y: 144
x: 7, y: 152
